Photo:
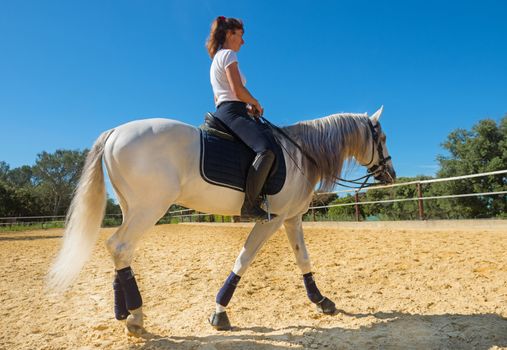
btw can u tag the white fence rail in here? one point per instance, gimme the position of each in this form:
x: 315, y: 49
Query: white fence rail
x: 441, y: 179
x: 39, y: 221
x: 419, y: 197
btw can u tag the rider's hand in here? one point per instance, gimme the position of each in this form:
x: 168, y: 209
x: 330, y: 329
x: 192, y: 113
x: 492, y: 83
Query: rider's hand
x: 258, y: 110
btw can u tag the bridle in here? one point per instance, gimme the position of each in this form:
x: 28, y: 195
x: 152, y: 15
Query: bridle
x: 376, y: 170
x: 379, y: 168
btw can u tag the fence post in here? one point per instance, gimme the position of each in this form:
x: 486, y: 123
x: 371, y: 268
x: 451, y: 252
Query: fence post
x: 420, y: 201
x: 313, y: 214
x: 356, y: 196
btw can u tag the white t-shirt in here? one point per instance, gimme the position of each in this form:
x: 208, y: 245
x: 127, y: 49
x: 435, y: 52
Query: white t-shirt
x: 221, y: 87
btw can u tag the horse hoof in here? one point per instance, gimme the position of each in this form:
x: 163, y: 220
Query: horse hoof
x: 220, y: 321
x: 134, y: 330
x: 326, y: 306
x: 134, y: 323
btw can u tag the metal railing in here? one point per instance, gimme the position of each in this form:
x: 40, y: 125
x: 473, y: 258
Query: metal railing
x: 39, y: 221
x: 420, y: 198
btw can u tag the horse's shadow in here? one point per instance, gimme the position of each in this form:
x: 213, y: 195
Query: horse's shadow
x: 393, y: 330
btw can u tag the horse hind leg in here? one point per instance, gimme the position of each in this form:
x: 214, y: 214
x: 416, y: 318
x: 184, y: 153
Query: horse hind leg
x: 121, y: 245
x: 294, y: 230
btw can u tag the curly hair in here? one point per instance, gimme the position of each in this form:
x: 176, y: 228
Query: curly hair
x: 218, y: 32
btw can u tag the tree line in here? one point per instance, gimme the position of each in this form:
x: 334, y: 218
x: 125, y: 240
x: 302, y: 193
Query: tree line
x: 46, y: 187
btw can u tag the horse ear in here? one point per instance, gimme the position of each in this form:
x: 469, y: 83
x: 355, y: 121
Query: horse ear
x: 376, y: 116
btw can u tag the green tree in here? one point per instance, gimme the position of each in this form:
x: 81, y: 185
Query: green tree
x: 112, y: 207
x: 483, y: 149
x: 6, y: 199
x: 17, y: 194
x: 4, y: 170
x: 17, y: 201
x: 21, y: 177
x: 404, y: 210
x: 344, y: 213
x: 56, y: 177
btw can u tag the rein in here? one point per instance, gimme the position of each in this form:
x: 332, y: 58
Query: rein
x: 374, y: 170
x: 278, y: 129
x: 273, y: 127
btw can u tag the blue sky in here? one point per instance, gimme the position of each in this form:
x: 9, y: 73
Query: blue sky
x: 69, y: 70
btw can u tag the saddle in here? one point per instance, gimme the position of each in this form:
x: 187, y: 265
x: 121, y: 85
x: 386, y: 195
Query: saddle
x: 225, y: 160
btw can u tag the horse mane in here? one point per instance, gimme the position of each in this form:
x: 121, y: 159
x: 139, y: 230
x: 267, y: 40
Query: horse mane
x: 330, y: 141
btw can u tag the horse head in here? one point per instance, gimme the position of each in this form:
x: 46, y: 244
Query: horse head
x: 379, y: 163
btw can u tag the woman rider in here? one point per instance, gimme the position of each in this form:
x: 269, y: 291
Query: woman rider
x: 238, y: 109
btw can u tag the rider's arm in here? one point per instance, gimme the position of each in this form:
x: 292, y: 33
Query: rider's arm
x: 238, y: 88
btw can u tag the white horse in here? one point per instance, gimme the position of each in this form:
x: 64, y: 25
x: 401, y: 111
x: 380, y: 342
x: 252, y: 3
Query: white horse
x: 154, y: 163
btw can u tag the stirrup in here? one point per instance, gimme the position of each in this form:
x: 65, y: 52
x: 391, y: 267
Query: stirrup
x: 266, y: 204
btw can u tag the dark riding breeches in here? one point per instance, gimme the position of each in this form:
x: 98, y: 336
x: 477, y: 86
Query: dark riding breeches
x: 233, y: 114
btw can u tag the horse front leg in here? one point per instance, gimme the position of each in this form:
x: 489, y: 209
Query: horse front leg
x: 256, y: 239
x: 294, y: 229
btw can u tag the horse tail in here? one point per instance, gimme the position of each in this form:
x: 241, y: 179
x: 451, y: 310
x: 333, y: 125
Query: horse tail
x: 83, y: 221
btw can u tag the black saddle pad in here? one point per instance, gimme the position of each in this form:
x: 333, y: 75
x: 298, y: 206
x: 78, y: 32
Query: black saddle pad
x: 225, y: 162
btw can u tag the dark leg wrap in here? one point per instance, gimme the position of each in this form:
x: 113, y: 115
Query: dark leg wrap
x: 120, y: 307
x: 227, y: 290
x: 130, y: 290
x: 311, y: 288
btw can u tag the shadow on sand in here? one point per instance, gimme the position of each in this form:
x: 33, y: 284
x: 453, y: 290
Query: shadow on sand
x: 387, y: 331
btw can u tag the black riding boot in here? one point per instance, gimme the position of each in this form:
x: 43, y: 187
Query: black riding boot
x: 257, y: 175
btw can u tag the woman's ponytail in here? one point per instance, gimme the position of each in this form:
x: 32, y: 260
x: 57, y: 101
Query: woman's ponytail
x: 218, y: 33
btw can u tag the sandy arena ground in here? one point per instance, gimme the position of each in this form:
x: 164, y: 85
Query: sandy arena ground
x: 438, y: 286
